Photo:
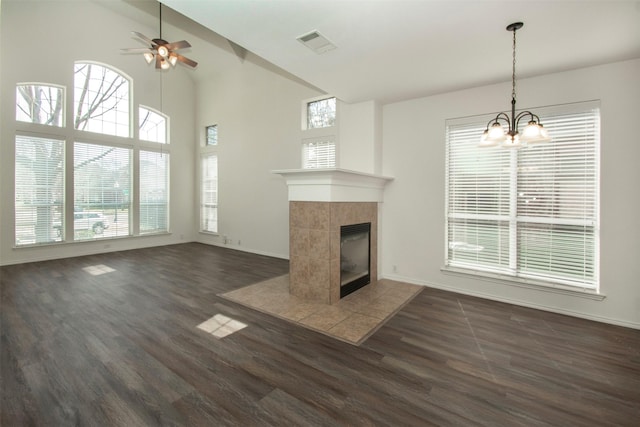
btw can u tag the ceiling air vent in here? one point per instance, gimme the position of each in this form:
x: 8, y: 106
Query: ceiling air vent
x: 316, y: 42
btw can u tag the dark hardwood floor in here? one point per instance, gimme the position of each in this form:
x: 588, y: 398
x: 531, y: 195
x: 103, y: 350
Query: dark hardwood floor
x: 122, y: 348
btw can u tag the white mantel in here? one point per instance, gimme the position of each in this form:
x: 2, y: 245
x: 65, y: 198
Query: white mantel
x: 333, y: 185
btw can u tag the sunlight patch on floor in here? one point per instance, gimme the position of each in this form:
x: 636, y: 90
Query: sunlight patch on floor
x: 97, y: 270
x: 220, y: 326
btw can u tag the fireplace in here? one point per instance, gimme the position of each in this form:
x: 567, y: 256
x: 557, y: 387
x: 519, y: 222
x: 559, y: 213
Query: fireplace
x: 321, y: 202
x: 355, y: 257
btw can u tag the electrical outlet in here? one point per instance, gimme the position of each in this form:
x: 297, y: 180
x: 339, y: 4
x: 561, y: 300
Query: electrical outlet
x: 239, y: 242
x: 395, y: 268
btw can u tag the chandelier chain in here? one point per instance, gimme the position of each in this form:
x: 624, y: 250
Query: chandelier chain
x: 513, y: 72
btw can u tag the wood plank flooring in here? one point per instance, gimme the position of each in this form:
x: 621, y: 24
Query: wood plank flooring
x: 121, y: 348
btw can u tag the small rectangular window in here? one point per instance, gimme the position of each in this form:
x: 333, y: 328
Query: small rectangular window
x: 319, y: 153
x: 209, y: 194
x: 212, y: 135
x: 321, y: 113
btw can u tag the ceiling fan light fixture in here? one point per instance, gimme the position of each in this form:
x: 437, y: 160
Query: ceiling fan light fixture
x: 148, y: 56
x: 163, y: 51
x: 164, y: 64
x: 173, y: 59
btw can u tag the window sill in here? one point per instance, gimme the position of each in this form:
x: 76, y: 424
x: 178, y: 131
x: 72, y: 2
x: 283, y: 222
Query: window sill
x: 533, y: 284
x: 88, y: 241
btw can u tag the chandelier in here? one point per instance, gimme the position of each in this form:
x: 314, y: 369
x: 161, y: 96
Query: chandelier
x: 503, y: 130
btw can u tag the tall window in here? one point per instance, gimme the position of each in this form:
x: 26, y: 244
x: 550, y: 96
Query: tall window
x: 39, y: 190
x: 319, y: 135
x: 530, y: 213
x: 102, y: 175
x: 209, y: 193
x: 154, y: 189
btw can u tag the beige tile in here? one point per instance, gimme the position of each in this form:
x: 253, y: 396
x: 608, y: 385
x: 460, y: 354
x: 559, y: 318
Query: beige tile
x: 299, y: 242
x: 325, y: 318
x: 355, y: 327
x: 318, y: 244
x: 317, y: 214
x: 351, y: 319
x: 297, y: 311
x: 319, y: 273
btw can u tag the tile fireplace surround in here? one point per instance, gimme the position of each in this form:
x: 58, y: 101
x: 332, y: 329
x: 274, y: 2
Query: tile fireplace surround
x: 314, y: 246
x: 320, y: 202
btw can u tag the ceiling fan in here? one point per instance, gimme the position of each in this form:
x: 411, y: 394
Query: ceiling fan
x: 160, y: 50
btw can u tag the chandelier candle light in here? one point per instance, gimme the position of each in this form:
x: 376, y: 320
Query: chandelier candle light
x: 495, y: 132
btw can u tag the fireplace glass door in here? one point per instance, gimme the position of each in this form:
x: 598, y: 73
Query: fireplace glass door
x: 355, y: 257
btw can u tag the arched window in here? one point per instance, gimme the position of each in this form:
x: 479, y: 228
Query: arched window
x: 101, y: 100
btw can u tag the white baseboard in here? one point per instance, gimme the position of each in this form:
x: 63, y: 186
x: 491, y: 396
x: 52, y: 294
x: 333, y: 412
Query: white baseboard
x: 602, y: 319
x: 248, y: 250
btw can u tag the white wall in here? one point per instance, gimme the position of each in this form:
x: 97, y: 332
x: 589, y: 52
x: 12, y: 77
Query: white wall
x: 40, y: 42
x: 413, y: 211
x: 258, y: 112
x: 360, y: 136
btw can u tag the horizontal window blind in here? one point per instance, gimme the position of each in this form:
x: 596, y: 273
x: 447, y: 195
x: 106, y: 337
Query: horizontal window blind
x: 319, y: 153
x: 532, y: 212
x: 102, y: 191
x: 154, y: 192
x: 557, y: 201
x: 209, y: 194
x: 39, y: 190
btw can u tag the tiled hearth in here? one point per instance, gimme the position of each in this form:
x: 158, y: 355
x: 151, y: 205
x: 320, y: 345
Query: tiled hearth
x: 314, y: 246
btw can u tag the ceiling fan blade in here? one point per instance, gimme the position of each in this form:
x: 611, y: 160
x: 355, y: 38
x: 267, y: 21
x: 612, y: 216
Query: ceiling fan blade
x: 136, y: 50
x: 158, y: 62
x: 178, y: 45
x: 143, y: 38
x: 187, y: 61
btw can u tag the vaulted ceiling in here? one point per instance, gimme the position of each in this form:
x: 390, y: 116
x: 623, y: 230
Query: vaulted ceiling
x: 391, y: 50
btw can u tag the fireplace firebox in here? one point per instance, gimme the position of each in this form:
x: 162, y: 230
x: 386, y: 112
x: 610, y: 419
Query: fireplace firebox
x: 355, y: 257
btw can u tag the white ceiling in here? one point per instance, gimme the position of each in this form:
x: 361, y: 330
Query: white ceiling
x: 391, y: 50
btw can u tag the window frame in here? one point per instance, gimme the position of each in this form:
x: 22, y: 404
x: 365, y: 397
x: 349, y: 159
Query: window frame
x: 513, y: 273
x: 206, y: 136
x: 327, y: 134
x: 70, y: 136
x: 203, y: 188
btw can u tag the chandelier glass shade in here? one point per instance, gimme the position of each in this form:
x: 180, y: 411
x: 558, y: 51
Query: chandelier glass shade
x: 503, y: 129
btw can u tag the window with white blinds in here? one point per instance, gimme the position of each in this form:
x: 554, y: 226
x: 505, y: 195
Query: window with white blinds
x: 102, y: 189
x: 39, y: 190
x: 319, y: 153
x: 530, y: 213
x: 154, y: 197
x: 209, y: 193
